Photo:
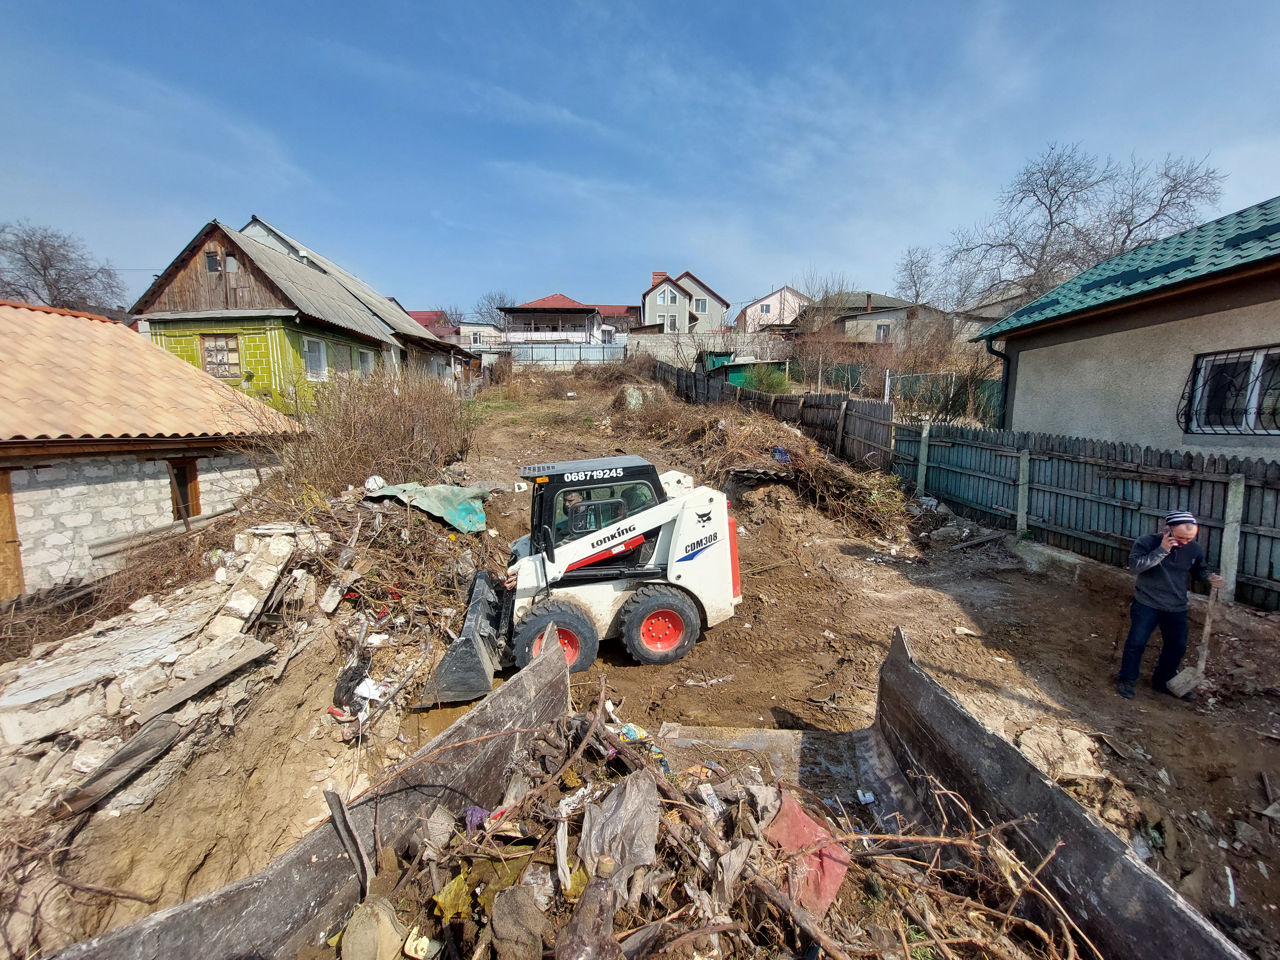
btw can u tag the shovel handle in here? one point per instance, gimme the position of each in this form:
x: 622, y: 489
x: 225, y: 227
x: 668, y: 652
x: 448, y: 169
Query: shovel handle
x: 1208, y: 624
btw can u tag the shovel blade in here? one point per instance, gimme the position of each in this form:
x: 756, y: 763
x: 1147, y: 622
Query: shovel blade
x: 466, y: 671
x: 1185, y: 682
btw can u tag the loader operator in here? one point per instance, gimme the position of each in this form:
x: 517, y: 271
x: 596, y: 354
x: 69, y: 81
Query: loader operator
x: 1163, y: 562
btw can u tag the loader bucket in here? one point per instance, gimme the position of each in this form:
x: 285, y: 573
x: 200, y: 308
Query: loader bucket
x: 466, y: 670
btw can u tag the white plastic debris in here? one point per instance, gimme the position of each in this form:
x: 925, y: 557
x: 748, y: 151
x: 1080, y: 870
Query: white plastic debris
x: 374, y: 484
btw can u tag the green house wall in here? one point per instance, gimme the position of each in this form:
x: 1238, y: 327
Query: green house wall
x: 269, y: 349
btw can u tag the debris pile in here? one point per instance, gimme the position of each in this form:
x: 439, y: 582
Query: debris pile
x: 731, y: 443
x: 104, y: 720
x: 604, y: 847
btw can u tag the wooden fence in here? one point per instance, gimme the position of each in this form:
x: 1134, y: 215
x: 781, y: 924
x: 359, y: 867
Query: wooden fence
x: 1088, y: 496
x: 860, y: 431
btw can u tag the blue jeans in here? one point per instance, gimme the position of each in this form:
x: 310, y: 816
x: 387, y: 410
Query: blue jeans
x: 1143, y: 620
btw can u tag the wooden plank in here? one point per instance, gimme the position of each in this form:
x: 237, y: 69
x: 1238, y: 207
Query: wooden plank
x: 185, y: 691
x: 306, y: 893
x: 153, y: 740
x: 12, y: 582
x: 1115, y: 900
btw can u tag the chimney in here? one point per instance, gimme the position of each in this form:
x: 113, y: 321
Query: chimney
x: 658, y: 277
x: 868, y: 301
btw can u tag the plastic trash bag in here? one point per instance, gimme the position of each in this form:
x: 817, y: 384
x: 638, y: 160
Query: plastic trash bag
x: 624, y: 826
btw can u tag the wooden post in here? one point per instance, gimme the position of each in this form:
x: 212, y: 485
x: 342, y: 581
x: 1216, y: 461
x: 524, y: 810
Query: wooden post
x: 176, y: 492
x: 1024, y: 488
x: 922, y: 458
x: 1229, y: 561
x: 840, y: 428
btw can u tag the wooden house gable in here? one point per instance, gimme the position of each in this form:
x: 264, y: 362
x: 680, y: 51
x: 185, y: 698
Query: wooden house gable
x: 213, y: 274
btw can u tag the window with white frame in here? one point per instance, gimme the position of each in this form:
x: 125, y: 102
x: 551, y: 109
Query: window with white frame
x: 662, y: 296
x: 1236, y: 391
x: 700, y: 305
x: 882, y: 333
x: 313, y: 356
x: 673, y: 297
x: 368, y: 363
x: 766, y: 308
x: 477, y: 338
x: 671, y: 323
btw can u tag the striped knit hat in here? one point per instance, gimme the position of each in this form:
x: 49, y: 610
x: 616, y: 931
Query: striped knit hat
x: 1179, y: 516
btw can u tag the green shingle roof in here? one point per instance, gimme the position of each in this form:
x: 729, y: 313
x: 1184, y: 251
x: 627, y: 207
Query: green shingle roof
x: 1248, y: 236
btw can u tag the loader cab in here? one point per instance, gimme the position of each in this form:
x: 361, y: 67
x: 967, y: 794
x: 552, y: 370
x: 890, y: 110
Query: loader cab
x: 576, y: 497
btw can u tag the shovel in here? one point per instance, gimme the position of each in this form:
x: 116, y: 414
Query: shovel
x: 1191, y: 677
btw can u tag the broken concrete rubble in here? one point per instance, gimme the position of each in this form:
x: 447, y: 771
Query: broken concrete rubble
x: 125, y: 667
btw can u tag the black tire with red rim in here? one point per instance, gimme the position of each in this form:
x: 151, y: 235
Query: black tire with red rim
x: 660, y: 624
x: 578, y: 635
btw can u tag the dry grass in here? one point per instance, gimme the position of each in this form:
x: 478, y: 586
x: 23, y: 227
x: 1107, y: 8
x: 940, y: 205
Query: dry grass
x: 720, y: 438
x: 403, y: 426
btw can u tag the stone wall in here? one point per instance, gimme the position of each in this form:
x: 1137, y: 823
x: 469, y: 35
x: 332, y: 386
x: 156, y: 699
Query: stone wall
x: 64, y: 506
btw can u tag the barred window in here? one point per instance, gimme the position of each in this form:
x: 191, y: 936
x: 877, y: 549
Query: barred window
x: 1237, y: 391
x: 221, y: 355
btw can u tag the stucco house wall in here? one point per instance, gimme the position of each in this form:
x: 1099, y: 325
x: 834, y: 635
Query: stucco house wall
x: 1121, y: 378
x: 653, y: 309
x: 783, y: 307
x: 716, y: 314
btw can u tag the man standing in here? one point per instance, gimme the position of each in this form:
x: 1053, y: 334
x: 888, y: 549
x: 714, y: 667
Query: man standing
x: 1162, y: 562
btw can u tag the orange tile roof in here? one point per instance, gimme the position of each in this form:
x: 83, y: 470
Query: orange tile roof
x: 66, y: 375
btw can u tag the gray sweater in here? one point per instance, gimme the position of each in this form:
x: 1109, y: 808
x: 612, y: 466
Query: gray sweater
x: 1162, y: 574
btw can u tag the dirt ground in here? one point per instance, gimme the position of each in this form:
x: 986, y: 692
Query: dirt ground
x: 1036, y: 653
x: 820, y: 604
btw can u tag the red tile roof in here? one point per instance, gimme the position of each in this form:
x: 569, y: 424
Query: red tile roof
x: 557, y: 301
x: 436, y: 322
x: 616, y: 309
x: 429, y: 318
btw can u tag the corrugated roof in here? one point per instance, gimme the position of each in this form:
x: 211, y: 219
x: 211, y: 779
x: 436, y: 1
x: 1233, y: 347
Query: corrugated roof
x: 312, y: 290
x: 386, y: 310
x: 69, y: 375
x: 1239, y: 239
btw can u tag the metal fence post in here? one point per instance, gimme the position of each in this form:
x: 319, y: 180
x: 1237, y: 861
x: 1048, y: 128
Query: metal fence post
x: 1230, y: 558
x: 1024, y: 488
x: 922, y: 457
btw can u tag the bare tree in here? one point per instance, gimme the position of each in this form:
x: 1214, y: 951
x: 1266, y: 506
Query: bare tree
x: 1064, y: 211
x: 489, y: 308
x: 453, y: 315
x: 916, y: 277
x: 831, y: 295
x: 46, y: 266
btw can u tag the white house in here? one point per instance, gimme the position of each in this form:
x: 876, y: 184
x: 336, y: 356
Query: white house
x: 780, y: 306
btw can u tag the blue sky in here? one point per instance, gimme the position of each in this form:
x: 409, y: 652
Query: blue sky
x: 440, y: 150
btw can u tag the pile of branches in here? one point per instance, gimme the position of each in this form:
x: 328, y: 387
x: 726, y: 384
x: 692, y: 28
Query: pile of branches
x: 396, y: 563
x: 698, y: 873
x: 718, y: 441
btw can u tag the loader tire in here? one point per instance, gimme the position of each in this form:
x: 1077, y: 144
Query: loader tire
x: 578, y: 635
x: 660, y: 624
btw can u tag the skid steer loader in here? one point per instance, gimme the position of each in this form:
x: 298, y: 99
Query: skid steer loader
x: 613, y: 550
